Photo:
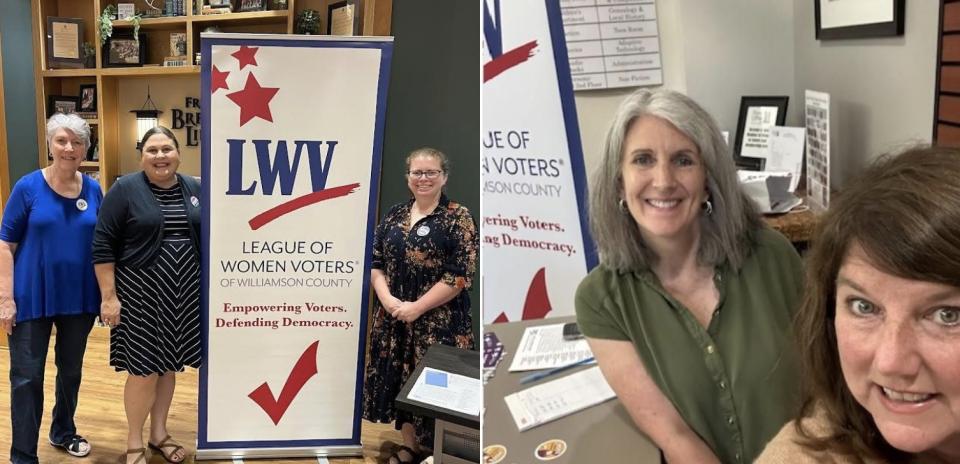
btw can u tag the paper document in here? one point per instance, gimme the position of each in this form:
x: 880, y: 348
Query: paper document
x: 543, y: 347
x: 756, y: 131
x: 449, y: 391
x: 553, y: 400
x: 786, y: 152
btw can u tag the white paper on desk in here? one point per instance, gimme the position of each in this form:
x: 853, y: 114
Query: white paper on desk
x: 786, y: 152
x: 449, y: 391
x: 553, y: 400
x: 543, y: 347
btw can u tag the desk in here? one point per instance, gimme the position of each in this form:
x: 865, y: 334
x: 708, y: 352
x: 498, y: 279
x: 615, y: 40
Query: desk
x: 456, y: 435
x: 603, y: 433
x: 797, y: 227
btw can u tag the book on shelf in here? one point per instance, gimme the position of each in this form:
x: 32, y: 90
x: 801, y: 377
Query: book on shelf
x: 211, y: 11
x: 88, y: 115
x: 171, y: 61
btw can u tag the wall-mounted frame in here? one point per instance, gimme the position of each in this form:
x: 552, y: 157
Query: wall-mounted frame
x: 88, y: 98
x: 65, y: 104
x: 857, y: 19
x: 64, y: 39
x: 757, y: 115
x: 342, y: 18
x: 121, y: 51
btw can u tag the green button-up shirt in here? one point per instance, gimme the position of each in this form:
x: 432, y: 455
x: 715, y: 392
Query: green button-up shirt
x: 735, y: 382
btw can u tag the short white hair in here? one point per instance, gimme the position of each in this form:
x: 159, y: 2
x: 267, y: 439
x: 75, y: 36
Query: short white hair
x: 70, y: 122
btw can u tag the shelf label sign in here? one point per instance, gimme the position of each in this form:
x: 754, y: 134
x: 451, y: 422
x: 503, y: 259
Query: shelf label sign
x: 289, y: 202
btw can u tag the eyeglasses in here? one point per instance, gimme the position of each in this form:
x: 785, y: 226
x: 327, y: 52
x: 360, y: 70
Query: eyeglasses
x: 156, y: 151
x: 431, y: 174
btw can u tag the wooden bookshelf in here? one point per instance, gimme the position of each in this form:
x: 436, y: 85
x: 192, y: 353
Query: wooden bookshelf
x: 113, y: 113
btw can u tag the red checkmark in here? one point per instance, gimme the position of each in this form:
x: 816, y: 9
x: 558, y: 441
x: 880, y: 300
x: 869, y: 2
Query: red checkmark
x: 305, y: 368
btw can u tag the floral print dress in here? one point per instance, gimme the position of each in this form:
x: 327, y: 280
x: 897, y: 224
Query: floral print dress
x: 441, y: 247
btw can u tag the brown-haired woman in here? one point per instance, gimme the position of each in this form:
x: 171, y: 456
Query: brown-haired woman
x: 146, y: 256
x: 424, y: 256
x: 879, y: 329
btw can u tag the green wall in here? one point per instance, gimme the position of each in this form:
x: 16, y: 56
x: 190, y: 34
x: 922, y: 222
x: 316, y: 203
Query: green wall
x: 434, y: 100
x: 19, y: 92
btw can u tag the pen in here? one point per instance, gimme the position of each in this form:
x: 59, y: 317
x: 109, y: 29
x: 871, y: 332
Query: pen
x: 556, y: 370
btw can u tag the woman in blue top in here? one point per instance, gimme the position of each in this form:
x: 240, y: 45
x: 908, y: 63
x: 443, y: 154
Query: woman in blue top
x: 47, y: 280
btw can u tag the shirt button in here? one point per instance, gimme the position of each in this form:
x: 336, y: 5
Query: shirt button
x: 737, y: 456
x: 730, y: 420
x: 710, y: 349
x: 723, y: 385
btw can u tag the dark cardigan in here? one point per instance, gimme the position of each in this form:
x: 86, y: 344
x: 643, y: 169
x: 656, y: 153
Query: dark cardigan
x: 130, y: 224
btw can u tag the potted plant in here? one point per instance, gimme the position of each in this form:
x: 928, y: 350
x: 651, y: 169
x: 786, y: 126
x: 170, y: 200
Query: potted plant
x: 308, y: 22
x: 105, y: 23
x: 89, y: 55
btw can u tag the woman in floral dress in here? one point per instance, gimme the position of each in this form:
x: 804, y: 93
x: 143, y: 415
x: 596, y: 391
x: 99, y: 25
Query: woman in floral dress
x: 424, y: 257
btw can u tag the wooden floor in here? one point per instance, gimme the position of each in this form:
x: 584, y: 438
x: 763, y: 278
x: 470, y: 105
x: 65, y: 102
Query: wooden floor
x: 100, y: 418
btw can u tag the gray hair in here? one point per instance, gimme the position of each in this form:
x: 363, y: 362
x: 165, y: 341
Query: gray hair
x: 726, y: 235
x: 70, y: 122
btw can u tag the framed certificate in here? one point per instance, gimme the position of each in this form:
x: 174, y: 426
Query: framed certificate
x: 757, y: 116
x: 854, y: 19
x: 341, y: 18
x: 64, y: 36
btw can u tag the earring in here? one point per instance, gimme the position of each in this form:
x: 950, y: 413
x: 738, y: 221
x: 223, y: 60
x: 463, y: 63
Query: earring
x: 708, y: 205
x: 623, y: 206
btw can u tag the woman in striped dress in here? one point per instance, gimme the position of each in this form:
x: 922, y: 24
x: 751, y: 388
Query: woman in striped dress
x: 146, y: 257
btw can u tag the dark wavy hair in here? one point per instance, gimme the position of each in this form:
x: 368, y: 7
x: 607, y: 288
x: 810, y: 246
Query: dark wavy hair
x: 904, y: 212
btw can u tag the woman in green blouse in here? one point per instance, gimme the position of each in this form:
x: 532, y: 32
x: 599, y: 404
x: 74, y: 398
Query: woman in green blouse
x: 689, y: 311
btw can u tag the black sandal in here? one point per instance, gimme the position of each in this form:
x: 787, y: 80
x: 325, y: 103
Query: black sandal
x: 72, y: 446
x: 415, y: 459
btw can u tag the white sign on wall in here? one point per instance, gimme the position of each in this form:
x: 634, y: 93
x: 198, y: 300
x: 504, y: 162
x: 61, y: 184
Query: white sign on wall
x: 612, y: 43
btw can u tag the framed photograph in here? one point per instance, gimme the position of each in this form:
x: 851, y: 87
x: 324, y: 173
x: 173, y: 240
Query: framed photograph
x: 124, y: 51
x: 857, y: 19
x: 757, y: 116
x: 341, y: 19
x: 64, y: 39
x: 178, y: 44
x: 65, y: 104
x: 125, y: 11
x: 88, y: 98
x: 252, y: 5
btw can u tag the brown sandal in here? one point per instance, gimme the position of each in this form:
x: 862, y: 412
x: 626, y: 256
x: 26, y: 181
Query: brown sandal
x: 122, y: 459
x: 163, y: 445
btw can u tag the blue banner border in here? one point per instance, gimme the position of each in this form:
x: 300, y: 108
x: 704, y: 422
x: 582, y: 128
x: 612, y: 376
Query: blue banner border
x: 575, y: 145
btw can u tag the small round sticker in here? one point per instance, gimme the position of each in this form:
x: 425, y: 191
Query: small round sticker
x: 550, y: 449
x: 82, y: 204
x: 423, y: 231
x: 494, y: 454
x: 194, y: 201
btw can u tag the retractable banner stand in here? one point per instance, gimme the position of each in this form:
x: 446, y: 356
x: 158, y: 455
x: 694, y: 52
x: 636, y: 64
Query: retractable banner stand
x: 291, y: 145
x: 536, y: 243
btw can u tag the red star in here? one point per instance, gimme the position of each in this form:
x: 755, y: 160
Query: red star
x: 254, y: 100
x: 218, y: 80
x: 245, y: 56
